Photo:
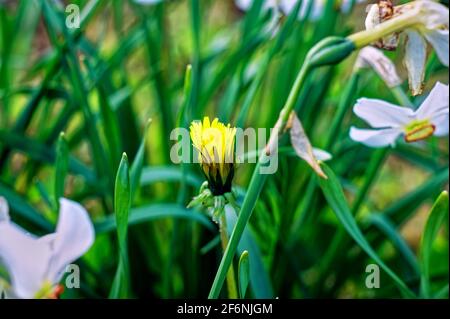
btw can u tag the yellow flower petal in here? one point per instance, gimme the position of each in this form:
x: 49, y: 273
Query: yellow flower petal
x: 215, y: 143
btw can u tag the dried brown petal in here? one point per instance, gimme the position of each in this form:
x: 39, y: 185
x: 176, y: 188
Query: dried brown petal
x: 302, y: 145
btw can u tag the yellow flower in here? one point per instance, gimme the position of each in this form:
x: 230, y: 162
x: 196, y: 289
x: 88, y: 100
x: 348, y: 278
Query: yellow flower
x: 215, y: 143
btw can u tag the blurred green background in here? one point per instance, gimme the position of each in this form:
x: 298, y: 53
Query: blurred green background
x: 101, y: 83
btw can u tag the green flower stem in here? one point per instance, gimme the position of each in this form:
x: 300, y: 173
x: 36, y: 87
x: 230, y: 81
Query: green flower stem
x: 295, y: 91
x: 231, y: 283
x: 366, y: 37
x: 254, y: 189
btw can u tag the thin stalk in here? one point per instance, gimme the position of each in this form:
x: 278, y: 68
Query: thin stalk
x: 254, y: 189
x: 366, y: 37
x: 231, y: 283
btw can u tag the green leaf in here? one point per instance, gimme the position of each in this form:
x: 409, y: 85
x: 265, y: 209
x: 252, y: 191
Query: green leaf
x: 42, y: 153
x: 400, y: 210
x: 258, y: 275
x: 439, y: 212
x: 243, y: 274
x: 61, y: 167
x: 385, y: 225
x: 155, y: 212
x: 336, y: 199
x: 153, y: 174
x: 19, y: 205
x: 122, y: 202
x: 136, y: 167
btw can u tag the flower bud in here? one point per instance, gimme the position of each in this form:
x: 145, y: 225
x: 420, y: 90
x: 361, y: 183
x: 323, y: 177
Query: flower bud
x: 329, y: 51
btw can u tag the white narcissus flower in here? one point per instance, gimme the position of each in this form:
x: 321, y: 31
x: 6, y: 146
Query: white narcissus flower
x: 391, y: 121
x: 37, y: 264
x: 429, y: 23
x: 314, y: 7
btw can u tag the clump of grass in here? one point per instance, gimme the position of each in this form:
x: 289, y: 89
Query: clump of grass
x: 296, y: 235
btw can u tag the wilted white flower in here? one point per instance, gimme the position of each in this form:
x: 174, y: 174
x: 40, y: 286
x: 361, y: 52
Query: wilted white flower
x: 37, y: 264
x: 381, y: 64
x: 426, y: 21
x: 391, y: 121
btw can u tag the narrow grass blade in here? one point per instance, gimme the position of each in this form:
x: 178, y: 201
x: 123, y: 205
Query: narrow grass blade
x: 61, y: 168
x: 154, y: 212
x: 19, y: 205
x: 258, y: 275
x: 386, y: 226
x: 436, y: 219
x: 136, y: 167
x: 243, y: 274
x: 153, y: 174
x: 335, y: 197
x: 122, y: 202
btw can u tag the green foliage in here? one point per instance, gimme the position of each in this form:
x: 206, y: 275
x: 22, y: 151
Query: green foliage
x: 243, y: 274
x: 296, y: 235
x: 122, y: 201
x: 438, y: 214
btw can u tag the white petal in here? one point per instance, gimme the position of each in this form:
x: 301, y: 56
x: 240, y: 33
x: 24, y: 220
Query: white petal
x: 4, y: 210
x: 381, y: 64
x: 380, y: 114
x: 435, y: 102
x: 73, y: 237
x: 321, y: 155
x: 441, y: 122
x: 373, y: 16
x: 375, y: 138
x: 302, y: 145
x: 414, y: 60
x: 439, y: 41
x: 26, y: 258
x: 433, y: 15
